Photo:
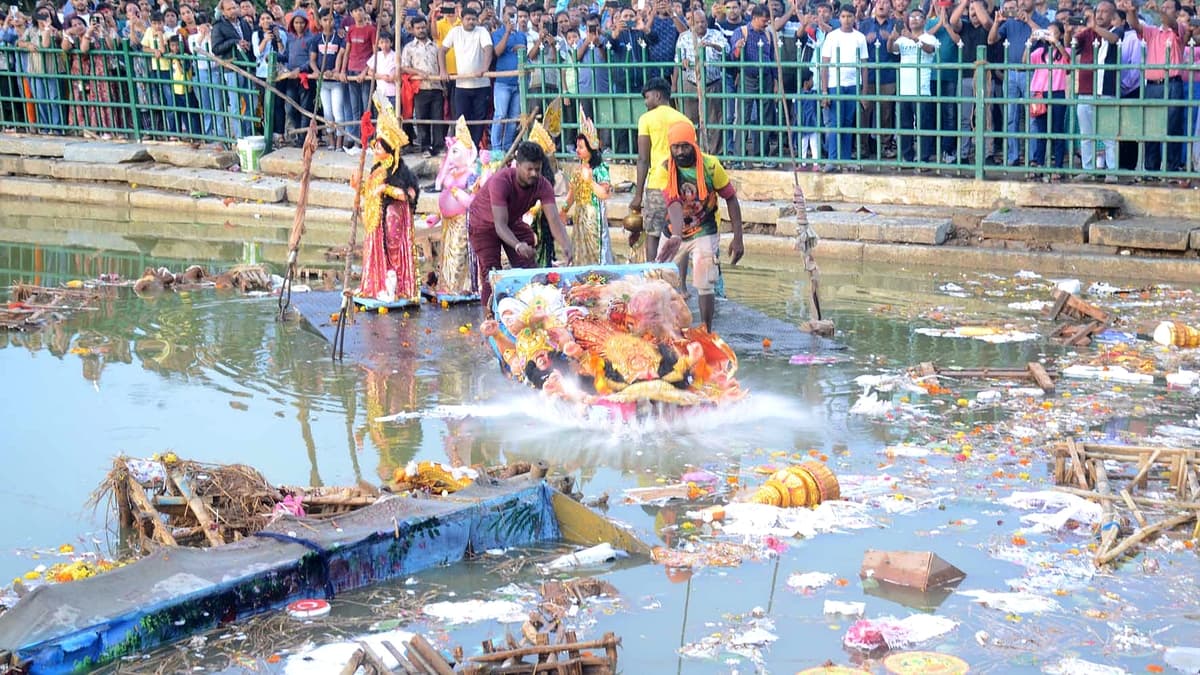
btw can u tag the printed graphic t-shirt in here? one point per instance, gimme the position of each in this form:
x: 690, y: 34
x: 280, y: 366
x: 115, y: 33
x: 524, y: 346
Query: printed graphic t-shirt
x: 700, y: 217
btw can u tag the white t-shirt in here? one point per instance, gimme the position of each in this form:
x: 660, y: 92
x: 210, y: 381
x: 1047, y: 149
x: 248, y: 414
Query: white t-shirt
x: 386, y: 66
x: 842, y: 47
x: 913, y: 80
x: 470, y: 53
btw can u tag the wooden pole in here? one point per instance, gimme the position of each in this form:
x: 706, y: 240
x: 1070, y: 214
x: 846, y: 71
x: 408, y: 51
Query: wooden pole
x: 310, y: 147
x: 1144, y: 501
x: 1109, y: 523
x: 1142, y: 534
x: 1145, y: 468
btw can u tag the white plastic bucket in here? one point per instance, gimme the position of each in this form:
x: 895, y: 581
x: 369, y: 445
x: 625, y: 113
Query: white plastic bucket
x: 250, y: 150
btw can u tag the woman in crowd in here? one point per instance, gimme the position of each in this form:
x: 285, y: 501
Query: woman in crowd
x: 269, y: 40
x: 209, y: 98
x: 1050, y: 84
x: 85, y: 45
x: 41, y: 41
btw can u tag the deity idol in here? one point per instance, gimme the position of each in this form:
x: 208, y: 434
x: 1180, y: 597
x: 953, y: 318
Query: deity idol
x: 390, y: 191
x: 457, y: 181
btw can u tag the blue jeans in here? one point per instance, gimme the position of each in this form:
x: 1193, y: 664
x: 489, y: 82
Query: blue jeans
x: 732, y: 145
x: 1056, y: 119
x: 49, y: 114
x: 1017, y: 86
x: 162, y: 95
x: 1175, y: 123
x: 358, y: 98
x: 233, y: 109
x: 210, y: 101
x: 841, y: 112
x: 507, y: 104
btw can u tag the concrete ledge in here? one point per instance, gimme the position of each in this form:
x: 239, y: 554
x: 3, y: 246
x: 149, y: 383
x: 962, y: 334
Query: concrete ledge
x: 336, y: 166
x: 211, y: 181
x: 753, y: 212
x: 854, y: 226
x: 1041, y: 225
x: 86, y: 171
x: 1195, y: 242
x: 324, y: 193
x: 1162, y: 234
x: 105, y: 152
x: 53, y: 190
x: 1069, y: 196
x: 34, y: 146
x: 196, y: 158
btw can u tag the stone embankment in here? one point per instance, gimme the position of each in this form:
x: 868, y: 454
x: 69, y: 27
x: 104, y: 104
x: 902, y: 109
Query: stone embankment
x: 171, y: 190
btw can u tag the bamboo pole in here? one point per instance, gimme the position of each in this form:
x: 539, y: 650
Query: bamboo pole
x: 433, y: 661
x: 609, y: 640
x: 197, y: 507
x: 1142, y: 534
x: 1145, y: 468
x: 138, y: 495
x: 346, y: 309
x: 1109, y: 523
x: 1144, y: 501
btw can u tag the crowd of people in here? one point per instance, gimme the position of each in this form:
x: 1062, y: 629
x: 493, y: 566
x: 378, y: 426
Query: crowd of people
x: 854, y: 82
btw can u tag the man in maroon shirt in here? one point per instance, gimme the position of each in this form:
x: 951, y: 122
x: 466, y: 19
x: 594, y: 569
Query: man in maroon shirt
x: 494, y: 219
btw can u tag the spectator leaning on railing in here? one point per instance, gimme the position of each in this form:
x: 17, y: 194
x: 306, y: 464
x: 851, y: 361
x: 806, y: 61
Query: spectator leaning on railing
x: 754, y: 48
x: 843, y: 55
x: 506, y: 91
x: 1049, y: 85
x: 1013, y: 26
x: 1164, y: 48
x: 973, y: 21
x: 945, y: 80
x: 1096, y: 44
x: 231, y: 42
x: 917, y: 50
x: 714, y: 46
x: 881, y: 78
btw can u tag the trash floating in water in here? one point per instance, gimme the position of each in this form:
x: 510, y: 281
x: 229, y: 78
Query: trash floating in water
x: 807, y: 581
x: 1076, y: 666
x: 600, y: 554
x: 814, y: 360
x: 844, y: 608
x: 759, y: 520
x: 888, y: 632
x: 1107, y: 373
x: 989, y: 334
x: 332, y: 657
x: 1177, y: 334
x: 474, y: 611
x: 1013, y: 603
x: 743, y: 635
x: 925, y: 663
x: 921, y: 570
x: 1066, y: 507
x: 310, y: 608
x: 1183, y: 659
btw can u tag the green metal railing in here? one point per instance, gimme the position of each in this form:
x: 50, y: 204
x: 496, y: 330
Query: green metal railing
x: 1155, y: 132
x: 126, y: 93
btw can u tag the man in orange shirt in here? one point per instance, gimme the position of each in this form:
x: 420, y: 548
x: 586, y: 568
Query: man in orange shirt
x: 1164, y: 48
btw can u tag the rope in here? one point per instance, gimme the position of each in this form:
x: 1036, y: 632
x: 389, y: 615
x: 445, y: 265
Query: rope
x: 310, y: 147
x: 806, y: 238
x: 344, y: 313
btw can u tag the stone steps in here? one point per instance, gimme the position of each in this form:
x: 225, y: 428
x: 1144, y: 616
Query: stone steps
x: 1159, y: 234
x: 753, y: 212
x: 1040, y: 225
x: 335, y: 165
x: 871, y: 227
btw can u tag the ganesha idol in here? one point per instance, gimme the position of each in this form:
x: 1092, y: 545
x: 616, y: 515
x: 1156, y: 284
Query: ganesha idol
x: 615, y: 337
x: 458, y: 180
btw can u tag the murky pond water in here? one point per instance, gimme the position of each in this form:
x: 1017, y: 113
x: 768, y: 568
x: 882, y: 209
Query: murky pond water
x: 216, y: 378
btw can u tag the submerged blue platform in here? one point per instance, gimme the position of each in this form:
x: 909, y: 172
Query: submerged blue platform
x: 177, y: 592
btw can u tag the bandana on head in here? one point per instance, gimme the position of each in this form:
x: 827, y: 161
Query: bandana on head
x: 684, y: 132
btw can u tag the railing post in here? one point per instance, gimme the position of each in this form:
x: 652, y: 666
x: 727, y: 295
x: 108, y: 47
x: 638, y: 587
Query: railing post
x: 982, y: 87
x: 131, y: 90
x: 269, y: 105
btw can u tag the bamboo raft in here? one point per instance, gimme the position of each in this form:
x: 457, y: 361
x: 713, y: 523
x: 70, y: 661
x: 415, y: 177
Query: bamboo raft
x: 1032, y: 371
x: 1079, y: 469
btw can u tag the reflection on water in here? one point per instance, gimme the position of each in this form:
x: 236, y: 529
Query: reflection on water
x: 216, y: 378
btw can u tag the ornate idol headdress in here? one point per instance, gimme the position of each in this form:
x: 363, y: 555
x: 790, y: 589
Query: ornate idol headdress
x: 539, y: 135
x: 588, y: 129
x: 462, y: 133
x: 389, y: 129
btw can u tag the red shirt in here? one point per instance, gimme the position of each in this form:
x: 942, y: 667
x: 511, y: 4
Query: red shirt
x: 502, y: 188
x: 361, y: 42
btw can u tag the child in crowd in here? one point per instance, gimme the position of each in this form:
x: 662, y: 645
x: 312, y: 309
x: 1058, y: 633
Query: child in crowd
x: 382, y: 65
x: 810, y: 135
